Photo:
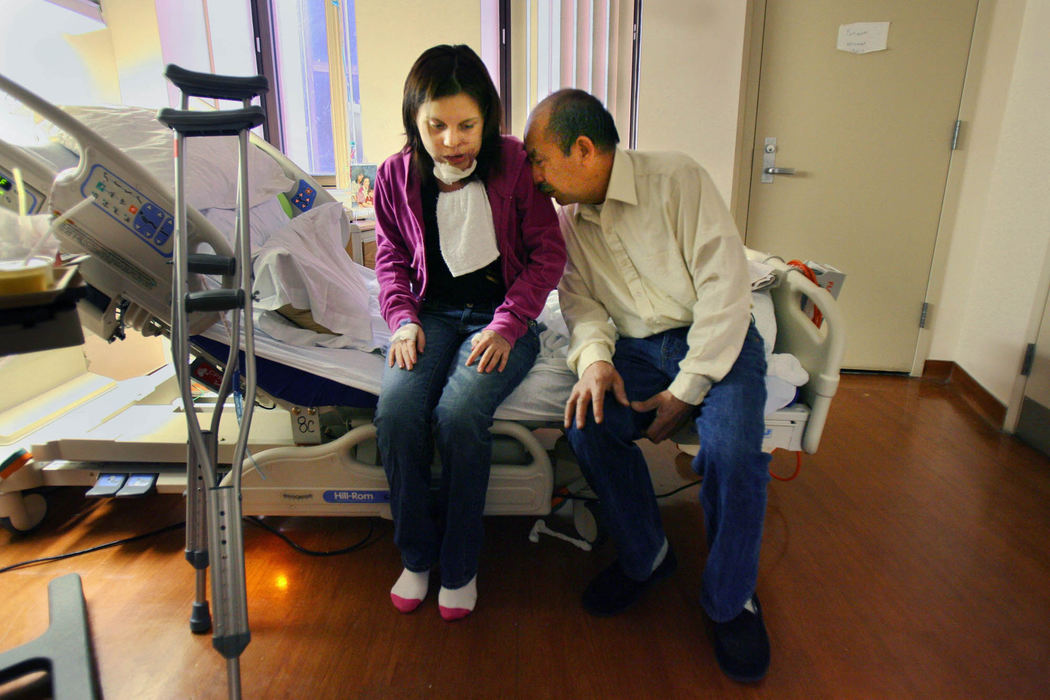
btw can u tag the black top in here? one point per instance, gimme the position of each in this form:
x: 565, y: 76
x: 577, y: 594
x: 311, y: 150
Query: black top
x: 484, y: 286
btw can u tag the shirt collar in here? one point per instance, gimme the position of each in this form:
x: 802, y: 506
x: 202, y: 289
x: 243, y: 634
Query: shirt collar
x: 621, y: 184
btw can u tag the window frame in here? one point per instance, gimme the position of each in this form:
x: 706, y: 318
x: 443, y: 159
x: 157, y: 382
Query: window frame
x: 263, y: 23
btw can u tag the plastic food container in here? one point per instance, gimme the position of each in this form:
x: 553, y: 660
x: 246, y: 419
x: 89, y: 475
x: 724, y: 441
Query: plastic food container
x: 21, y: 277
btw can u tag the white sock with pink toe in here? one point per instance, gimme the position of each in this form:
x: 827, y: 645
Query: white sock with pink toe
x: 457, y: 603
x: 410, y: 590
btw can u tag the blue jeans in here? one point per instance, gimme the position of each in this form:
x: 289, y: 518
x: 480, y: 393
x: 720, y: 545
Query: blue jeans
x: 441, y: 402
x: 730, y: 423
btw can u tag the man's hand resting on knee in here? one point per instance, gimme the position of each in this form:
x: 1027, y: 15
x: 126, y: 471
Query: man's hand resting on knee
x: 590, y: 390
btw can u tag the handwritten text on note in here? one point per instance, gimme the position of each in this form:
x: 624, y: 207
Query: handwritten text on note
x: 863, y: 37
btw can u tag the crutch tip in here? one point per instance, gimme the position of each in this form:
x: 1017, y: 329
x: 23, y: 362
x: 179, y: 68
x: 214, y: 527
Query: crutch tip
x: 200, y: 618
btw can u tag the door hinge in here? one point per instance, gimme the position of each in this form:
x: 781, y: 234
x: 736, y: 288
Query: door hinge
x: 1029, y: 358
x: 922, y: 316
x: 955, y: 134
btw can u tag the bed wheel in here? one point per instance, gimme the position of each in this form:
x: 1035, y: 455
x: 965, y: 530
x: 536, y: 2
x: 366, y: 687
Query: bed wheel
x: 23, y: 513
x: 586, y: 517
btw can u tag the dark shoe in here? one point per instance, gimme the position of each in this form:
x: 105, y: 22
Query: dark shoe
x: 612, y: 591
x: 742, y: 645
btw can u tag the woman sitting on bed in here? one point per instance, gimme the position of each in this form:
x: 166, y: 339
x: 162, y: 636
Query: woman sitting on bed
x: 467, y: 252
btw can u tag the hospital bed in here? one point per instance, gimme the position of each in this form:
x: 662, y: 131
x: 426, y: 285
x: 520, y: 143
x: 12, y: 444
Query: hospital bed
x: 124, y: 235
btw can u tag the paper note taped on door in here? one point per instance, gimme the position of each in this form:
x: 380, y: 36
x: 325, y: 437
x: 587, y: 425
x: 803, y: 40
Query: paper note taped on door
x: 863, y: 37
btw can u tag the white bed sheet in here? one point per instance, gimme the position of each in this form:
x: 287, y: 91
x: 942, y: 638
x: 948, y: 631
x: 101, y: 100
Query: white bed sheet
x: 539, y: 398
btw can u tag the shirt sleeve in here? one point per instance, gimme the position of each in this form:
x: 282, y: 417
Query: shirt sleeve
x: 714, y: 253
x: 592, y: 336
x: 393, y: 261
x: 544, y: 259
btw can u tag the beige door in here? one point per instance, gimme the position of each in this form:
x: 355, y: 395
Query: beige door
x: 869, y: 136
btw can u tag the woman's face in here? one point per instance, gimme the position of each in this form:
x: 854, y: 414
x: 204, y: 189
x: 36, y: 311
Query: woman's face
x: 451, y: 129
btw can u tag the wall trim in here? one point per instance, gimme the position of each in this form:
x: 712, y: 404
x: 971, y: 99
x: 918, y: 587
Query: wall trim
x: 959, y: 380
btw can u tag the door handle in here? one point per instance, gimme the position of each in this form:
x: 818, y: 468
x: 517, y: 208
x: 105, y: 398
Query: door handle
x: 769, y: 162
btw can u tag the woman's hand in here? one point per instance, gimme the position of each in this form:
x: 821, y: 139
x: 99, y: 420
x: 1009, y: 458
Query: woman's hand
x: 490, y: 350
x: 405, y: 346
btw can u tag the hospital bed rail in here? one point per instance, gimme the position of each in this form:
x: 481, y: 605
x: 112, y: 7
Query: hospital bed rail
x: 127, y: 233
x: 818, y: 349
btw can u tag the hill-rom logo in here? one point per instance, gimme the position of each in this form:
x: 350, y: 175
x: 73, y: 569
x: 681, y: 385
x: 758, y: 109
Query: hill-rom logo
x: 357, y: 496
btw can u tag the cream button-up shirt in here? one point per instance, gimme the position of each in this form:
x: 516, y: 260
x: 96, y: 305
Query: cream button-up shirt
x: 661, y: 252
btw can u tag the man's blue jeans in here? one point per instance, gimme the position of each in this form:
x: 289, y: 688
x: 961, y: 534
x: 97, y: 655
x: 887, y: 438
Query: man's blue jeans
x: 730, y: 423
x: 441, y: 402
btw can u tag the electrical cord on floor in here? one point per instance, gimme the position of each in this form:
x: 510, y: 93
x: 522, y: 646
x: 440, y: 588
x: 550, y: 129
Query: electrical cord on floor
x: 366, y: 541
x: 798, y: 468
x: 563, y: 494
x: 566, y: 495
x: 89, y: 550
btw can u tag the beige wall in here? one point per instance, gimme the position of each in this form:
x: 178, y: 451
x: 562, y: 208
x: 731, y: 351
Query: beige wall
x: 388, y: 43
x: 985, y: 92
x: 999, y: 237
x: 689, y: 90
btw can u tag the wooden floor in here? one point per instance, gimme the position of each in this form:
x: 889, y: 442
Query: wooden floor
x: 909, y: 558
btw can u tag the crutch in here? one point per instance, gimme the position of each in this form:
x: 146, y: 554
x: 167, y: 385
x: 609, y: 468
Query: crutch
x: 214, y: 532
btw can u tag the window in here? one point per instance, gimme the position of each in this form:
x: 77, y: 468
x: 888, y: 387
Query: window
x: 586, y: 44
x: 307, y: 49
x: 189, y: 31
x: 312, y: 67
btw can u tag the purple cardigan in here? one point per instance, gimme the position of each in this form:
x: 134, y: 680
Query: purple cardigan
x: 532, y: 251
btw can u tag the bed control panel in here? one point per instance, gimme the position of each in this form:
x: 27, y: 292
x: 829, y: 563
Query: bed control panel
x: 130, y: 208
x: 304, y: 197
x: 9, y: 194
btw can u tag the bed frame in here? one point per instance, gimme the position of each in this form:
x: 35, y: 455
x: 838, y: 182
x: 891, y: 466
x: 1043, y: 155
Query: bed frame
x: 341, y: 477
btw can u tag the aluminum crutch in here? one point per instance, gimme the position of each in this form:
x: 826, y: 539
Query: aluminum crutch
x: 214, y: 531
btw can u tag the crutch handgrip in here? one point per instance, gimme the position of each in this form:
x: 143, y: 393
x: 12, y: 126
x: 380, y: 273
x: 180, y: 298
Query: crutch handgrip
x: 222, y: 87
x: 215, y: 300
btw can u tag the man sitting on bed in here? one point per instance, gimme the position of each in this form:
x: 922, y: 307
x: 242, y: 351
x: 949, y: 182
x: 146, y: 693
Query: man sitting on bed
x: 653, y: 248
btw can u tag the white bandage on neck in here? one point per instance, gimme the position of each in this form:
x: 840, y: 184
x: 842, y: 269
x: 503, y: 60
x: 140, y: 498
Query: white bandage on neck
x: 465, y: 229
x: 450, y: 174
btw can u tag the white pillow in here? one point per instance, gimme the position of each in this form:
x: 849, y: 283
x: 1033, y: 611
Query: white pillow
x: 210, y: 173
x: 265, y: 219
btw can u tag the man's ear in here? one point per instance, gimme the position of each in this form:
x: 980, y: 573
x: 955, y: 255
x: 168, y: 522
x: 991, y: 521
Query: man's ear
x: 586, y: 147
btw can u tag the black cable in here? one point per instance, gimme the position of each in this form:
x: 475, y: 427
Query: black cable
x: 578, y: 497
x: 679, y: 489
x: 366, y: 541
x: 68, y: 555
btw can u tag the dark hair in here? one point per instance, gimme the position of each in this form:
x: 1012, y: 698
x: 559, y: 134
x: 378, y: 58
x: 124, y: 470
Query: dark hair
x: 444, y: 71
x: 574, y: 113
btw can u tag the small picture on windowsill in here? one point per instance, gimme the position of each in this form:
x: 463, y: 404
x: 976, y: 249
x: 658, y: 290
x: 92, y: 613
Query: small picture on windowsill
x: 360, y: 196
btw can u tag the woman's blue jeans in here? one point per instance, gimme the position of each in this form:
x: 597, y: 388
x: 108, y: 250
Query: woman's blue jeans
x: 730, y: 423
x: 441, y: 402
